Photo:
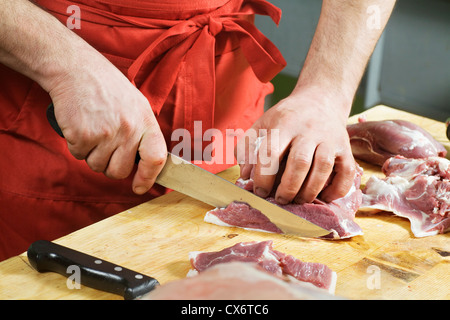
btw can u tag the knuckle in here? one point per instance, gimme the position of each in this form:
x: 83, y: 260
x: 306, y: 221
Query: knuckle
x: 117, y: 172
x: 105, y: 133
x: 327, y: 161
x: 151, y: 165
x: 158, y: 158
x: 95, y: 166
x: 349, y: 170
x: 300, y: 160
x: 325, y: 164
x: 77, y: 152
x: 288, y: 192
x: 127, y: 127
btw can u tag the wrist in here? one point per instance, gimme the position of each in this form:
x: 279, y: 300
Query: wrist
x: 42, y: 49
x: 327, y: 96
x: 65, y: 61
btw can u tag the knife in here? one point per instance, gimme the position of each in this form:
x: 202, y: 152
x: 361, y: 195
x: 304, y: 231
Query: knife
x: 183, y: 176
x: 47, y: 256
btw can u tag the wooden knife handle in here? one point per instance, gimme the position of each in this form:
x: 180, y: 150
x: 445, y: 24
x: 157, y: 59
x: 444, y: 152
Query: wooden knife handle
x: 99, y: 274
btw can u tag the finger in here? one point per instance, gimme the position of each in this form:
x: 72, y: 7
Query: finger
x: 81, y: 150
x: 123, y: 157
x: 121, y: 162
x: 297, y: 167
x: 245, y: 152
x: 153, y: 154
x: 269, y: 155
x: 320, y: 171
x: 98, y: 158
x: 345, y: 170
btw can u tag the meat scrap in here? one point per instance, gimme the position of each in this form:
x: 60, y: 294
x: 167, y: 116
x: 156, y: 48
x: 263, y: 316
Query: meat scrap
x: 236, y: 281
x: 417, y: 189
x: 377, y: 141
x: 274, y: 262
x: 336, y: 216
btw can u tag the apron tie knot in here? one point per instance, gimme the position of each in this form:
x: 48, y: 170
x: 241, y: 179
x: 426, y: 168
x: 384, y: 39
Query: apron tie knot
x: 214, y: 25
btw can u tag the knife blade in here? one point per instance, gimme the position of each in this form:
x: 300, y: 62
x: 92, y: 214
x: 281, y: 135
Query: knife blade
x: 183, y: 176
x: 47, y: 256
x: 189, y: 179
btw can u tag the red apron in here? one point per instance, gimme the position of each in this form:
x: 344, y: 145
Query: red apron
x: 209, y: 64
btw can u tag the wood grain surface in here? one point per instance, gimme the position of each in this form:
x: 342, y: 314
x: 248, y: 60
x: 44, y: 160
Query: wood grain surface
x: 155, y: 238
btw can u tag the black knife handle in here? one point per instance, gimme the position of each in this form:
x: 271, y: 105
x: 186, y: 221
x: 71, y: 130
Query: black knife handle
x: 52, y: 120
x: 99, y: 274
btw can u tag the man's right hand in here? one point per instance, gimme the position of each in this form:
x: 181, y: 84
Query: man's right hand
x: 106, y: 120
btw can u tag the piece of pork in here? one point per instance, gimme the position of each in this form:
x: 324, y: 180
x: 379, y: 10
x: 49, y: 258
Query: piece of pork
x: 377, y: 141
x: 417, y: 189
x: 236, y: 281
x: 270, y: 260
x: 336, y: 216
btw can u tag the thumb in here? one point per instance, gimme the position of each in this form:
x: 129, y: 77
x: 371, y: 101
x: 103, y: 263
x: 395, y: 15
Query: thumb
x: 153, y: 155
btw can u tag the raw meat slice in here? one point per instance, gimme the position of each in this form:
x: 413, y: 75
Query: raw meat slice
x: 377, y: 141
x: 270, y: 260
x: 236, y: 281
x: 417, y: 189
x: 336, y: 216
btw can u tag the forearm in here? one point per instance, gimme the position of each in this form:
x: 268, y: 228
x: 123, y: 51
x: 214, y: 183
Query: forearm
x: 36, y: 44
x: 341, y: 47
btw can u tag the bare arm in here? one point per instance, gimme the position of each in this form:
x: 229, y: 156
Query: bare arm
x: 88, y: 92
x: 345, y: 38
x: 311, y: 121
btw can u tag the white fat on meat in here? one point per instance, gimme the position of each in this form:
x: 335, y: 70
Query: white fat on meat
x: 418, y: 140
x: 416, y: 189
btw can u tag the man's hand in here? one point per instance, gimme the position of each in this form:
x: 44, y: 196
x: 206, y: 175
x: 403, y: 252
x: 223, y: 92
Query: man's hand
x: 313, y: 139
x: 311, y: 122
x: 104, y: 118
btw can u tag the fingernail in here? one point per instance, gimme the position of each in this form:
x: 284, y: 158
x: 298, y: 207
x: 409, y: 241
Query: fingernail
x: 281, y: 200
x: 140, y: 190
x: 261, y: 192
x: 246, y: 171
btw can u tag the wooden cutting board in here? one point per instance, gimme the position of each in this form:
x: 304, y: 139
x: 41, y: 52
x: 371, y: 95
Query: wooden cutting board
x: 155, y: 238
